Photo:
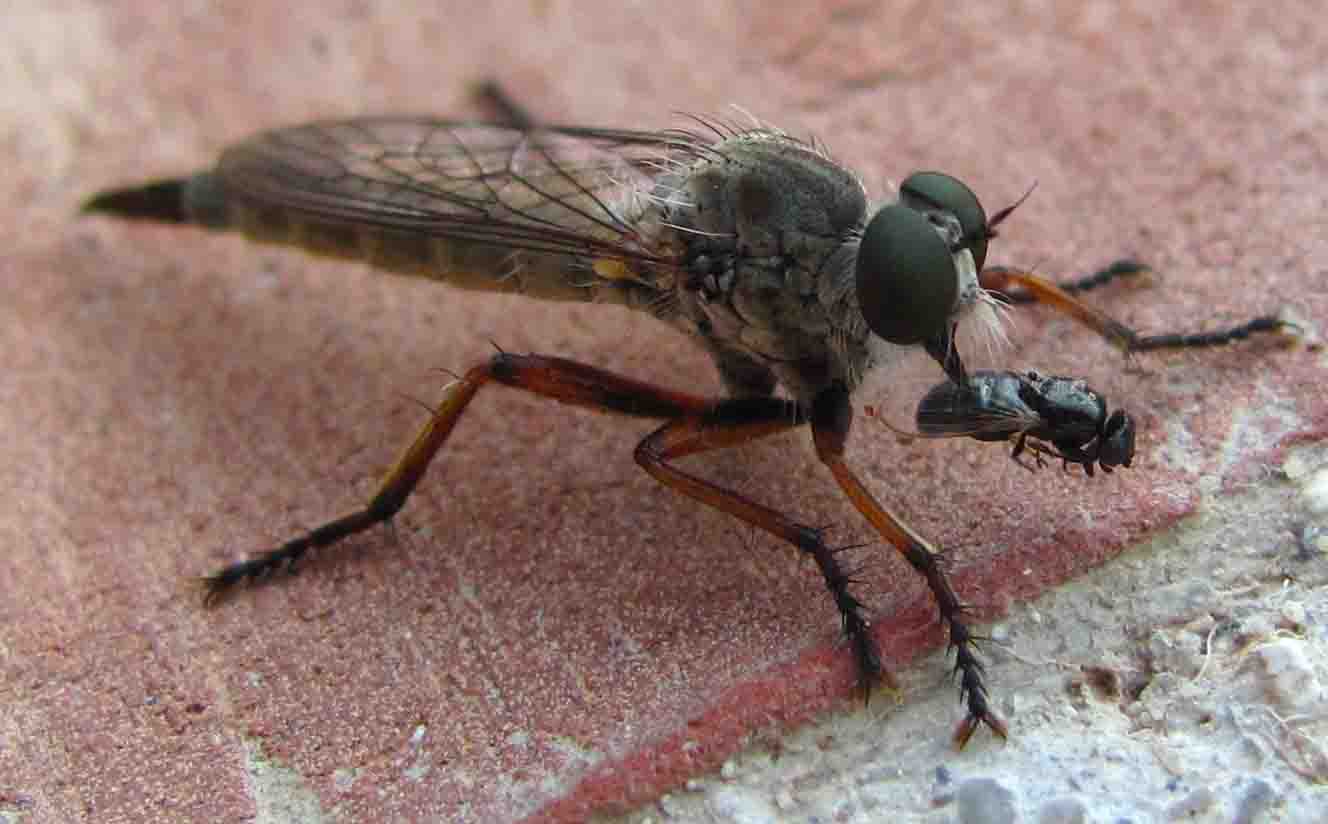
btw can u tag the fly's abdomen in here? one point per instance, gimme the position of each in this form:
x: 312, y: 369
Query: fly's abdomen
x: 202, y: 200
x: 417, y: 254
x: 558, y: 214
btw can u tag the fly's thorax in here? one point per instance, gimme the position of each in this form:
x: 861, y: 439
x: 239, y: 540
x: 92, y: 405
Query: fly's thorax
x: 766, y: 226
x: 1068, y: 405
x: 770, y: 194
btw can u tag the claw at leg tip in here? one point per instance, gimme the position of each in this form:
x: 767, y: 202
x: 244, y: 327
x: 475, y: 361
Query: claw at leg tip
x: 970, y: 724
x: 882, y: 681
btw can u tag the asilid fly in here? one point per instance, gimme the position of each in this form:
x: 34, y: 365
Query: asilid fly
x: 755, y: 243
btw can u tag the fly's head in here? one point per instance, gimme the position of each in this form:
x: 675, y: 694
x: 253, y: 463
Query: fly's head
x: 918, y: 264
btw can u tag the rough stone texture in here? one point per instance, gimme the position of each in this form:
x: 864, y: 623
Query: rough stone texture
x: 1104, y: 728
x: 547, y: 632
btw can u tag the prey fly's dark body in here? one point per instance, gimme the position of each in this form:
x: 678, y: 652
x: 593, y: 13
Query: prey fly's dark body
x: 1063, y: 413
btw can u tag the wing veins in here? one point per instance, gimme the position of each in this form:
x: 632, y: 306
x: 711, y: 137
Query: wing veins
x: 385, y: 194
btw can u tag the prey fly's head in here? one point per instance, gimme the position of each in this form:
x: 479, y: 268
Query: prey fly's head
x: 918, y: 264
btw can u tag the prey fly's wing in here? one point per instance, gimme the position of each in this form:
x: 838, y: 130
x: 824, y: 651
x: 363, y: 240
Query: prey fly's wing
x: 988, y: 406
x: 556, y: 208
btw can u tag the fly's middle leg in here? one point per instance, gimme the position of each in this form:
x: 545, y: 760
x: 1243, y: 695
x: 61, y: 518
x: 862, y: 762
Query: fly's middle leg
x: 742, y: 420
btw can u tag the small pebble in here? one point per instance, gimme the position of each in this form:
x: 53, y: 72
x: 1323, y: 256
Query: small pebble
x: 742, y: 806
x: 985, y: 801
x: 1254, y: 802
x: 1288, y: 674
x: 1193, y: 805
x: 1312, y: 541
x: 1298, y: 465
x: 1314, y: 493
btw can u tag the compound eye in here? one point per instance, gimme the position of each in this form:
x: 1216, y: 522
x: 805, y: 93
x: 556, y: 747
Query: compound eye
x: 937, y: 191
x: 1116, y: 441
x: 906, y: 278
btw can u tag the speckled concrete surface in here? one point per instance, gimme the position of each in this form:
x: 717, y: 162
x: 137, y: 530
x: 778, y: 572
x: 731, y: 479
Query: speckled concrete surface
x: 1184, y: 681
x: 546, y: 632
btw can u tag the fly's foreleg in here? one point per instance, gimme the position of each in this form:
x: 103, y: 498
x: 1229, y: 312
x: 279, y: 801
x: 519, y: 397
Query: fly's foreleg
x: 831, y: 419
x: 992, y: 278
x: 1025, y: 287
x: 562, y: 380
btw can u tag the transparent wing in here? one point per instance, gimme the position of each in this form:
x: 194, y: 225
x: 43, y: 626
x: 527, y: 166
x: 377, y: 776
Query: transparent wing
x: 561, y: 191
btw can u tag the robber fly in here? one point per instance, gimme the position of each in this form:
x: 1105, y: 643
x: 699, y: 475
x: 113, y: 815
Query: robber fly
x: 1031, y: 410
x: 754, y: 243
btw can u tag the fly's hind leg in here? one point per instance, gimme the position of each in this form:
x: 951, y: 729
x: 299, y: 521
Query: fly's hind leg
x: 694, y: 424
x: 1019, y: 286
x: 562, y: 380
x: 697, y: 424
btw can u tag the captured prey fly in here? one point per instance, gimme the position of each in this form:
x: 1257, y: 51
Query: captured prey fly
x: 755, y: 243
x: 1046, y: 415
